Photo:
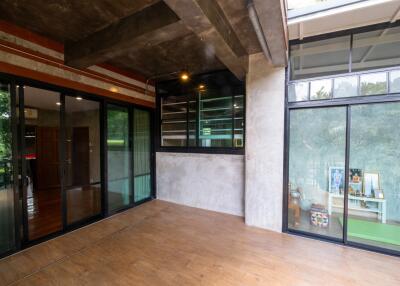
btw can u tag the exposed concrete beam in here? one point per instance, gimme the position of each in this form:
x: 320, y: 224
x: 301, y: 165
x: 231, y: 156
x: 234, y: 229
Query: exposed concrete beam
x: 153, y: 24
x: 272, y: 17
x: 208, y: 21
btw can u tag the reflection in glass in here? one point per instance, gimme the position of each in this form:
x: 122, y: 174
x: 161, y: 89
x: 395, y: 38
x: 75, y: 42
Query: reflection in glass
x: 215, y: 118
x: 373, y: 83
x: 345, y: 87
x: 82, y: 146
x: 320, y: 58
x: 316, y: 170
x: 376, y: 49
x: 42, y: 158
x: 298, y: 92
x: 321, y: 89
x: 141, y: 154
x: 192, y: 120
x: 395, y: 81
x: 174, y: 121
x: 7, y: 229
x: 238, y: 105
x: 118, y: 157
x: 374, y: 203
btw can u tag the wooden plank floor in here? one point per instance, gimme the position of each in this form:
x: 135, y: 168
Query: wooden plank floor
x: 160, y: 243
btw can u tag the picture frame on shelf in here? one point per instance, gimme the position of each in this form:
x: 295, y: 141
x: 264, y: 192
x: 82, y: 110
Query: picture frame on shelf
x: 336, y: 180
x: 355, y: 182
x: 371, y: 184
x: 379, y: 194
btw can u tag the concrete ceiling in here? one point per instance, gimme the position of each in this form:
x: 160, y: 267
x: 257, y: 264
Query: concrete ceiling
x: 151, y: 37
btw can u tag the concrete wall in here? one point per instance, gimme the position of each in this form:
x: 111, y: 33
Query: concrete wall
x: 265, y: 98
x: 208, y: 181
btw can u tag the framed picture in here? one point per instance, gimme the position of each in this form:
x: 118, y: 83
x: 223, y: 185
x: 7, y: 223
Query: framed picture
x: 355, y: 182
x: 336, y: 179
x: 371, y: 184
x: 379, y: 194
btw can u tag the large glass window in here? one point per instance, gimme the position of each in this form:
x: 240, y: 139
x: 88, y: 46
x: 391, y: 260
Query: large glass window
x: 82, y: 146
x: 118, y: 157
x: 376, y: 49
x: 7, y: 221
x: 174, y: 120
x: 206, y: 112
x: 320, y: 58
x: 141, y: 154
x: 374, y: 190
x: 316, y: 170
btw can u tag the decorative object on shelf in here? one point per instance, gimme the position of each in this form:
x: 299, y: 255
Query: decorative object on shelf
x: 371, y: 183
x: 319, y: 215
x: 336, y: 180
x: 294, y: 203
x: 355, y: 182
x: 379, y: 194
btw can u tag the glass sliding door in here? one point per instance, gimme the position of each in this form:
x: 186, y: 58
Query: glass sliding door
x: 41, y: 164
x: 82, y: 159
x: 118, y: 158
x: 374, y: 187
x: 141, y: 154
x: 7, y: 218
x: 317, y: 148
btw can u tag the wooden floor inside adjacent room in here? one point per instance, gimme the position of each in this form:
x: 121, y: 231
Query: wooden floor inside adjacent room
x: 160, y: 243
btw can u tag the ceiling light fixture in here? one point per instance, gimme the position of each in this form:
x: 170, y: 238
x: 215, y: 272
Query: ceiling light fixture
x: 184, y: 76
x: 113, y: 89
x: 58, y: 103
x: 78, y: 98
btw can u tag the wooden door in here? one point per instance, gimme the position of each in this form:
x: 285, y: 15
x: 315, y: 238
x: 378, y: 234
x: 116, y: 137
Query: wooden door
x: 80, y: 156
x: 47, y: 157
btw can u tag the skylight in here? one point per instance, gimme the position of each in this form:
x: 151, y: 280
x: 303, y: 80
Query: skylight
x: 297, y: 4
x: 298, y: 8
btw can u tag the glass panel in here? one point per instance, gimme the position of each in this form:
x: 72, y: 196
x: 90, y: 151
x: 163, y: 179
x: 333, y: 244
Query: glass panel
x: 297, y: 4
x: 316, y: 170
x: 374, y: 194
x: 82, y: 154
x: 320, y: 58
x: 373, y: 84
x: 192, y: 120
x: 239, y: 120
x: 376, y: 49
x: 118, y: 157
x: 215, y: 118
x: 321, y: 89
x: 298, y: 91
x: 7, y: 222
x: 42, y: 127
x: 141, y: 154
x: 395, y: 82
x: 174, y: 121
x: 345, y: 86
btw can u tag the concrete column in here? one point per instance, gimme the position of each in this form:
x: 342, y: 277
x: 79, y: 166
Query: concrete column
x: 265, y: 100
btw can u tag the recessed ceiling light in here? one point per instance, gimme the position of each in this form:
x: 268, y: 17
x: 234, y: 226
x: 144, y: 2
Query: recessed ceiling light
x: 184, y: 76
x: 113, y: 89
x: 78, y: 98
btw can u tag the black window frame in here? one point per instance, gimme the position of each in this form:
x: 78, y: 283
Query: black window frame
x: 346, y: 102
x: 198, y: 149
x: 20, y: 81
x: 348, y: 32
